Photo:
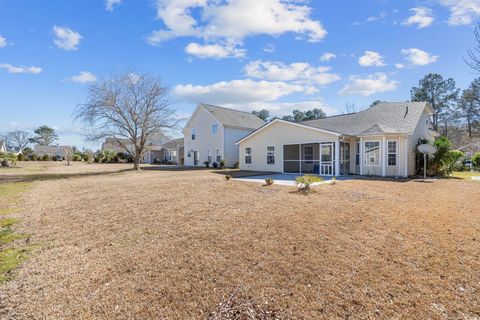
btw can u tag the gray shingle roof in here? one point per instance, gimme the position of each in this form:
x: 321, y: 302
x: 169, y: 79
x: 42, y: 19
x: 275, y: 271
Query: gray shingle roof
x: 389, y: 117
x: 175, y: 143
x: 234, y: 118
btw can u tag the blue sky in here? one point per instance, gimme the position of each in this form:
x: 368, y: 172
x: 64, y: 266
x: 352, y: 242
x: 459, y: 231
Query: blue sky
x: 245, y: 54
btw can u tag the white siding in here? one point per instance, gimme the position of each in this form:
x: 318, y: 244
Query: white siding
x: 277, y: 134
x: 202, y: 121
x: 231, y: 150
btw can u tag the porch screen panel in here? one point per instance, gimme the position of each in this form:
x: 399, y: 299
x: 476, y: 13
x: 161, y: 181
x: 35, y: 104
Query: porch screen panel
x: 310, y: 158
x: 291, y: 157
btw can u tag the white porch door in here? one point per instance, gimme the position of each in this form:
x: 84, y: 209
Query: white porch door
x: 326, y: 159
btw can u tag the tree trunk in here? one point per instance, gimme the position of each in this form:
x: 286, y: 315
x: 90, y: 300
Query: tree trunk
x: 469, y: 125
x: 136, y: 163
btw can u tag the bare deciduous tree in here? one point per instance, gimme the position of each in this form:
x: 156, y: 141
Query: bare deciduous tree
x: 17, y: 139
x: 473, y: 59
x: 129, y: 106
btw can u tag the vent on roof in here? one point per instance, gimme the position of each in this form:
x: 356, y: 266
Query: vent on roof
x: 406, y: 112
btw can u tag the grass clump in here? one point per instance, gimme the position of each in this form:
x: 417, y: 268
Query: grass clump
x: 269, y: 181
x: 304, y: 182
x: 10, y: 259
x: 228, y: 177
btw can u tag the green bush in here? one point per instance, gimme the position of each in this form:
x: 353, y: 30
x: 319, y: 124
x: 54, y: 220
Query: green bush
x: 77, y: 157
x: 269, y: 181
x: 476, y: 160
x: 223, y: 163
x: 45, y: 157
x: 304, y: 182
x: 228, y: 177
x: 86, y: 157
x: 237, y: 165
x: 7, y: 159
x: 20, y: 157
x: 449, y: 161
x: 207, y: 164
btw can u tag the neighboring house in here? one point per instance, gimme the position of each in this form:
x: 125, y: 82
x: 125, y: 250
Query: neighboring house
x: 380, y: 141
x: 117, y: 145
x: 51, y: 151
x: 3, y: 146
x: 470, y: 149
x: 174, y: 151
x: 154, y: 151
x: 154, y: 154
x: 211, y: 133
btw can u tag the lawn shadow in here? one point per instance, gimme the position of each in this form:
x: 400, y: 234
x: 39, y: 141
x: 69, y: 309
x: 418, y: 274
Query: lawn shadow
x: 56, y: 176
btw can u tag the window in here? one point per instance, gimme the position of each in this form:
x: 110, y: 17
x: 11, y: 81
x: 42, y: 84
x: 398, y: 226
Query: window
x: 392, y: 153
x: 214, y: 128
x: 327, y: 153
x: 248, y: 155
x: 270, y: 155
x: 372, y: 153
x: 194, y: 133
x: 357, y: 154
x: 188, y: 154
x: 219, y: 156
x: 308, y: 154
x: 209, y: 158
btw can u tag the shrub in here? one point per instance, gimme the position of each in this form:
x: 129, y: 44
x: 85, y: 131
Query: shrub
x: 449, y: 161
x: 237, y: 165
x: 228, y: 177
x: 86, y: 157
x: 476, y: 160
x: 207, y: 164
x: 7, y: 159
x: 304, y: 182
x: 77, y: 157
x: 222, y: 164
x: 45, y: 157
x: 333, y: 180
x: 215, y: 165
x: 269, y: 181
x: 21, y: 157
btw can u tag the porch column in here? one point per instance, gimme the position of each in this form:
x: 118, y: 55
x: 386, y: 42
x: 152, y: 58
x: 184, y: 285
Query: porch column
x: 384, y: 155
x: 337, y: 157
x: 361, y: 156
x: 300, y: 157
x: 406, y: 156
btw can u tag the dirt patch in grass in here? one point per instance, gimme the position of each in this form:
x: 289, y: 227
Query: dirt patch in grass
x: 177, y: 244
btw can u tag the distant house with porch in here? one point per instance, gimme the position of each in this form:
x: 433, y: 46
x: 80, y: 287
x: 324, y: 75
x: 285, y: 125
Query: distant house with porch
x: 173, y: 152
x: 211, y: 132
x: 380, y: 141
x: 52, y: 151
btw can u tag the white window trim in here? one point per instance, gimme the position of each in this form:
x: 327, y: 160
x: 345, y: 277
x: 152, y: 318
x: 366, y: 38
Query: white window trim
x: 396, y: 152
x: 274, y: 155
x: 216, y: 130
x: 357, y: 152
x: 245, y: 155
x: 379, y: 148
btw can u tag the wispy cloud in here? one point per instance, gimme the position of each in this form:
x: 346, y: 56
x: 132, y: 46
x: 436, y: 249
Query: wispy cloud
x: 462, y: 12
x: 110, y: 4
x: 421, y: 16
x: 20, y: 69
x: 327, y: 56
x: 66, y: 38
x: 84, y: 77
x: 3, y: 42
x: 371, y: 84
x: 216, y: 51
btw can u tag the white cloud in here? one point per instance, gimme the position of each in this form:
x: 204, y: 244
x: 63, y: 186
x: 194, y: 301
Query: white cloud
x: 110, y: 4
x: 84, y: 77
x: 327, y: 56
x: 299, y: 72
x: 3, y: 42
x: 66, y: 38
x: 236, y: 91
x: 399, y: 65
x: 232, y: 21
x: 421, y: 16
x: 214, y: 51
x: 269, y: 48
x: 374, y: 83
x: 20, y: 69
x: 382, y: 15
x: 371, y: 59
x: 418, y: 57
x: 462, y: 12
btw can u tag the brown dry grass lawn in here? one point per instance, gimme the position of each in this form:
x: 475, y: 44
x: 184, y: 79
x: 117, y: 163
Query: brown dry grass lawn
x: 174, y: 244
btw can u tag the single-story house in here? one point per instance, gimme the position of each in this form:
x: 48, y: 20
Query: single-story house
x: 51, y: 151
x: 211, y: 132
x: 154, y: 154
x: 3, y: 146
x: 173, y: 151
x: 117, y: 145
x: 470, y: 149
x: 380, y: 141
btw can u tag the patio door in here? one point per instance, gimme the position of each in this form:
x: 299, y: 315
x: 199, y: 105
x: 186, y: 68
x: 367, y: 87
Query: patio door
x: 196, y: 158
x: 344, y: 158
x: 326, y: 159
